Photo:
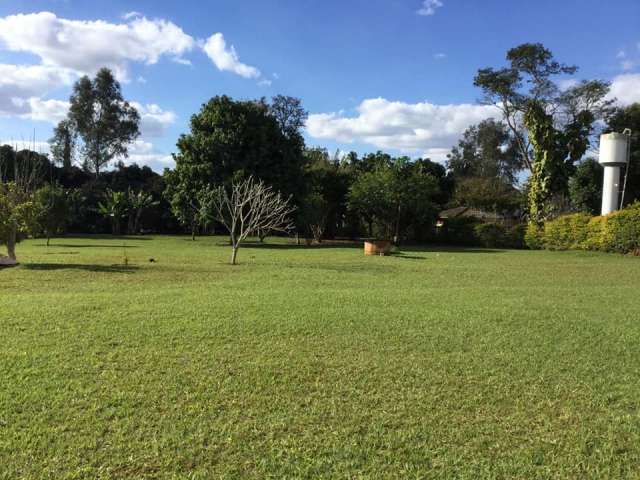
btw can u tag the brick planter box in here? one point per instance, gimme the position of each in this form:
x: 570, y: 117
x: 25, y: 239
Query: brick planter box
x: 377, y: 247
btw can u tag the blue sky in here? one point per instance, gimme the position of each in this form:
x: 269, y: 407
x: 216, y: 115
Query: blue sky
x: 395, y: 75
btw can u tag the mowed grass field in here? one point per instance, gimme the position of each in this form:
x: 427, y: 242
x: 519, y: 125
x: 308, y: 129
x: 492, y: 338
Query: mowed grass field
x: 310, y: 362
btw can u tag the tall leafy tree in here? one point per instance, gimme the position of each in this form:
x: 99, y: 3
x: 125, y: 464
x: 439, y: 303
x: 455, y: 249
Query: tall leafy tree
x: 487, y: 150
x: 530, y: 78
x: 394, y: 196
x: 236, y: 139
x: 63, y: 144
x: 105, y: 122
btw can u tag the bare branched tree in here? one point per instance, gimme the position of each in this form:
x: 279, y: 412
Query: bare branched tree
x: 249, y: 207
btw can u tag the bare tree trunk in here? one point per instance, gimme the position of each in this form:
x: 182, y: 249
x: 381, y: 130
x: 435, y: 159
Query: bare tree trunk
x: 234, y: 254
x: 396, y: 235
x: 11, y: 244
x: 48, y: 239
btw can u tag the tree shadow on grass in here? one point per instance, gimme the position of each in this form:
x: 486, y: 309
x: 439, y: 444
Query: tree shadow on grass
x: 407, y: 257
x: 288, y: 246
x: 106, y: 237
x: 82, y: 245
x: 80, y: 266
x: 447, y: 249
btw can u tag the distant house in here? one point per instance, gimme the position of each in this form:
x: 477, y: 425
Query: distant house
x: 475, y: 213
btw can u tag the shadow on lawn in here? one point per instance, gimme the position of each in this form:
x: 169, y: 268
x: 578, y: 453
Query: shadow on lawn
x: 288, y: 246
x: 82, y: 245
x: 106, y: 237
x: 80, y: 266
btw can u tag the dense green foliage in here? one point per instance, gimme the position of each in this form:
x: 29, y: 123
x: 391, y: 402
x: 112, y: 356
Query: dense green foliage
x: 585, y: 187
x: 617, y: 232
x: 102, y: 118
x: 529, y: 79
x: 52, y: 211
x: 394, y: 196
x: 316, y: 362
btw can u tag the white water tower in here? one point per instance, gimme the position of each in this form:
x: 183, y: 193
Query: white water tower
x: 614, y: 154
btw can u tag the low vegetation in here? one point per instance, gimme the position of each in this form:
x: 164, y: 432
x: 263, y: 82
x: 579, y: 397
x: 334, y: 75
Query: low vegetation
x: 617, y: 232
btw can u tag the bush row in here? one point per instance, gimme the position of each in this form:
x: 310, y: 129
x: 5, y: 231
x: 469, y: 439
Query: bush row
x: 471, y: 232
x: 617, y: 232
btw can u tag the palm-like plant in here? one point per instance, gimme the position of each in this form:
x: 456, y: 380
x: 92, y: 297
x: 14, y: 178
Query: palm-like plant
x: 138, y: 202
x: 115, y: 207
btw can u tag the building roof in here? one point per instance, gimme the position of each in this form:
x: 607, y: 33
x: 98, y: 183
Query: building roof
x: 458, y: 212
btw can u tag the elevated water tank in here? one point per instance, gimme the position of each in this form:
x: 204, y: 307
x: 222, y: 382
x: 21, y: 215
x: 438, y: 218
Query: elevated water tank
x: 613, y: 155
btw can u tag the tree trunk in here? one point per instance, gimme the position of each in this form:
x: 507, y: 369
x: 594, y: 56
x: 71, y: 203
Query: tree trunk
x: 11, y: 244
x: 396, y: 235
x: 234, y: 254
x: 136, y: 222
x: 193, y: 233
x: 297, y: 238
x: 48, y: 239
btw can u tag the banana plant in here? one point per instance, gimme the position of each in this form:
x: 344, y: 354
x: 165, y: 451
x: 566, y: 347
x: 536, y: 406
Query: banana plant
x: 115, y: 207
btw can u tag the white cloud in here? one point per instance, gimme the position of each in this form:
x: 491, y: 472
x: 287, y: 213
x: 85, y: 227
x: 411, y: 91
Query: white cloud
x: 429, y: 7
x: 626, y: 88
x: 130, y: 15
x: 567, y: 83
x: 51, y: 111
x: 153, y: 119
x: 144, y: 153
x: 440, y: 56
x: 418, y: 128
x: 26, y: 80
x: 85, y: 46
x: 226, y: 59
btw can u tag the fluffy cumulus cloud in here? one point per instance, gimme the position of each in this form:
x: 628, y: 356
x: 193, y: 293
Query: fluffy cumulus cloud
x: 144, y: 153
x: 22, y: 88
x: 153, y: 119
x: 413, y: 128
x: 626, y: 88
x: 226, y: 58
x: 85, y: 46
x: 429, y: 7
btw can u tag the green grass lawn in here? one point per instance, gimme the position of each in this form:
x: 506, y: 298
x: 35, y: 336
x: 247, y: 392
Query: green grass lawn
x: 316, y: 362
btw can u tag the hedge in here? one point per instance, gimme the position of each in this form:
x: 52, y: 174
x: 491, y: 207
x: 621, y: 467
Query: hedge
x: 617, y: 232
x: 472, y: 232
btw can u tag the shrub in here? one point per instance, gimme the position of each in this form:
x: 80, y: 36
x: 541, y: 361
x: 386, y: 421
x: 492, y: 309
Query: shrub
x: 459, y: 231
x: 617, y: 232
x: 534, y: 236
x: 622, y: 232
x: 515, y: 236
x: 491, y: 235
x: 566, y: 232
x: 596, y: 234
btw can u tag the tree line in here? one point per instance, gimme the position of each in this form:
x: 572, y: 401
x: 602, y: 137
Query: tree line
x: 529, y: 164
